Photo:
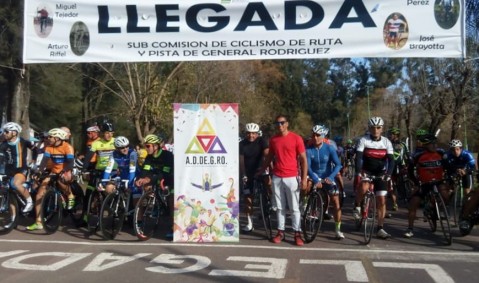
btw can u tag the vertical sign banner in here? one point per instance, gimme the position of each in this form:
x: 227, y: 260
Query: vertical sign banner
x: 206, y: 30
x: 206, y: 173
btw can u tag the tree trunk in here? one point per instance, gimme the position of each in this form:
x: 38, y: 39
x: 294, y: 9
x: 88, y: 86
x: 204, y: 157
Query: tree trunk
x: 21, y: 101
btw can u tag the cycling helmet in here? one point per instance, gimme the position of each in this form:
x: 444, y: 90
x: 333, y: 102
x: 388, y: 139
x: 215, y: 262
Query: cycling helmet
x: 58, y: 133
x: 78, y: 163
x: 93, y: 129
x: 320, y: 130
x: 349, y: 141
x: 427, y: 139
x: 152, y: 139
x: 252, y: 128
x: 107, y: 127
x: 394, y: 131
x: 375, y: 122
x: 421, y: 132
x: 121, y: 142
x: 455, y: 143
x: 12, y: 126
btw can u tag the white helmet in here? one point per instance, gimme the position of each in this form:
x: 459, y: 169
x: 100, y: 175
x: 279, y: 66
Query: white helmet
x: 375, y: 122
x: 455, y: 143
x: 320, y: 130
x: 58, y: 133
x: 252, y: 128
x: 121, y: 142
x: 12, y: 126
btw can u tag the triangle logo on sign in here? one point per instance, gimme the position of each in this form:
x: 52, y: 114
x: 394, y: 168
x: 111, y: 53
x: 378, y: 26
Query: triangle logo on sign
x: 217, y: 147
x: 206, y: 141
x: 205, y: 129
x: 195, y: 147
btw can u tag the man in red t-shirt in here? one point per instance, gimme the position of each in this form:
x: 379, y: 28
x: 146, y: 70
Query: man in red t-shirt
x: 286, y: 148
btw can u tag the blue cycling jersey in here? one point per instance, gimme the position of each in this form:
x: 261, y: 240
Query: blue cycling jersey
x: 323, y: 162
x: 122, y: 165
x: 465, y: 160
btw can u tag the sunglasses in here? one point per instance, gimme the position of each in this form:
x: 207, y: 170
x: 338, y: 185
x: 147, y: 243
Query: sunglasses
x: 376, y: 127
x: 148, y: 145
x: 120, y: 148
x: 278, y: 123
x: 318, y: 135
x: 7, y: 132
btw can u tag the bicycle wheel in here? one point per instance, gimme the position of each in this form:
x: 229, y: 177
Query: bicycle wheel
x: 8, y: 211
x: 443, y: 218
x: 146, y: 216
x: 369, y: 216
x: 93, y: 210
x: 77, y: 212
x: 112, y: 215
x: 266, y: 212
x: 51, y: 211
x: 312, y: 217
x: 458, y: 200
x: 350, y: 172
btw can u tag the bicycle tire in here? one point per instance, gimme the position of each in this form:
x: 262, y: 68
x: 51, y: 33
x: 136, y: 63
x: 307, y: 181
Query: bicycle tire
x: 369, y: 217
x: 266, y: 211
x: 350, y: 172
x: 95, y: 202
x: 51, y: 211
x: 429, y: 212
x: 458, y: 201
x: 8, y: 216
x: 112, y: 215
x: 312, y: 217
x: 146, y: 216
x: 443, y: 218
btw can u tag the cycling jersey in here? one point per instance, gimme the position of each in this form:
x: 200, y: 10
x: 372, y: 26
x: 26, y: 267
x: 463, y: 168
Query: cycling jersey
x: 58, y: 158
x: 159, y: 166
x: 103, y: 150
x: 401, y: 153
x: 123, y: 164
x: 374, y: 156
x: 323, y: 162
x: 429, y: 166
x: 15, y: 156
x: 465, y: 160
x: 253, y: 155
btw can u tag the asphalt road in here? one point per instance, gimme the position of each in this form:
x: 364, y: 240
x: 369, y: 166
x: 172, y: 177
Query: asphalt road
x: 74, y: 255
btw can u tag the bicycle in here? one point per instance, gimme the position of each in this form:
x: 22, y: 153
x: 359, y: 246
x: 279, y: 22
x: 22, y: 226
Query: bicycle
x: 150, y: 207
x: 402, y: 184
x: 435, y: 209
x: 313, y: 214
x: 367, y: 218
x: 11, y: 202
x: 114, y: 209
x: 266, y: 206
x: 54, y: 204
x: 458, y: 191
x: 350, y: 169
x: 472, y: 219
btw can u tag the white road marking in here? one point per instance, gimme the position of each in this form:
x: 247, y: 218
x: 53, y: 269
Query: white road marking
x: 273, y: 268
x: 435, y: 271
x: 170, y: 259
x: 355, y: 271
x: 69, y: 258
x: 112, y: 261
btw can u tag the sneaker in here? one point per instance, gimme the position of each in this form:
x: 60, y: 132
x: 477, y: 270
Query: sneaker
x: 395, y: 207
x: 279, y: 237
x: 9, y: 225
x: 408, y: 233
x: 382, y: 234
x: 357, y: 213
x: 464, y: 225
x: 247, y: 229
x: 28, y: 207
x: 297, y: 239
x: 35, y: 226
x: 326, y: 216
x: 70, y: 203
x: 339, y: 235
x: 388, y: 215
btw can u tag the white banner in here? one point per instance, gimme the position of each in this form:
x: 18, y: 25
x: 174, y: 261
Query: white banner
x: 194, y: 30
x: 206, y: 173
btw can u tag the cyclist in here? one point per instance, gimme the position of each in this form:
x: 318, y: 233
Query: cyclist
x: 324, y: 164
x: 103, y: 149
x: 14, y: 149
x: 419, y: 146
x: 401, y: 159
x: 374, y: 156
x: 429, y: 171
x: 122, y: 163
x: 461, y: 162
x: 286, y: 148
x: 349, y: 152
x: 392, y: 30
x: 158, y: 165
x: 252, y: 150
x: 57, y: 159
x: 470, y: 206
